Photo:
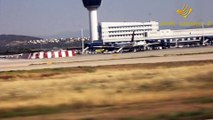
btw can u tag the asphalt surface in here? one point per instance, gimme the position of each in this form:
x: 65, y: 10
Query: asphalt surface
x: 167, y: 55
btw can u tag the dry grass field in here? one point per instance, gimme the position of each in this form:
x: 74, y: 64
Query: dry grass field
x: 172, y: 91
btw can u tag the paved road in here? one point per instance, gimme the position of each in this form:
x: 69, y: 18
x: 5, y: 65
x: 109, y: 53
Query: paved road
x: 168, y: 55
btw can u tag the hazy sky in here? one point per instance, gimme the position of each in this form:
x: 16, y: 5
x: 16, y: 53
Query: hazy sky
x: 52, y: 17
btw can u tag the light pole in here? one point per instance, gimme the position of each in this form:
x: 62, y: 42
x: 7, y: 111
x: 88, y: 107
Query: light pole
x: 40, y: 45
x: 203, y: 33
x: 202, y: 29
x: 82, y: 40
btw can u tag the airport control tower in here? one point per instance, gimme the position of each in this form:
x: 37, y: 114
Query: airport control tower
x: 92, y: 6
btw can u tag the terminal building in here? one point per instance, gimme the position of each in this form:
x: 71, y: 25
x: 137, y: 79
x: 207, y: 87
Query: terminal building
x: 112, y: 32
x: 122, y: 31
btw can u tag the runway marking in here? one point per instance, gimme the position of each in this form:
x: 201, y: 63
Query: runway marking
x: 50, y: 63
x: 115, y: 55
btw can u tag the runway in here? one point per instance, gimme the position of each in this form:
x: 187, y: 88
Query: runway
x: 167, y: 55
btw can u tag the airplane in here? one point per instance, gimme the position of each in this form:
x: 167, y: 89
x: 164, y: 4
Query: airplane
x: 130, y: 46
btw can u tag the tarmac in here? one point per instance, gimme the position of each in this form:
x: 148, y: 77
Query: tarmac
x: 155, y: 56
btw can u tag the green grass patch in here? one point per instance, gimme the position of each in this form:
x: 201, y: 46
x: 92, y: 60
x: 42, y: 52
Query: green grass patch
x: 30, y: 112
x: 128, y: 118
x: 88, y: 119
x: 42, y: 73
x: 190, y: 115
x: 204, y: 100
x: 164, y: 85
x: 42, y: 110
x: 206, y: 77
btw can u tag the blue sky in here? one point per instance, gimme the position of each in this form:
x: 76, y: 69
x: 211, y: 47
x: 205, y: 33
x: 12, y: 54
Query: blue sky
x: 45, y: 18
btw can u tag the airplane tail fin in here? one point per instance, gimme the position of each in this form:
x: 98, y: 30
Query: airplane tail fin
x: 133, y: 36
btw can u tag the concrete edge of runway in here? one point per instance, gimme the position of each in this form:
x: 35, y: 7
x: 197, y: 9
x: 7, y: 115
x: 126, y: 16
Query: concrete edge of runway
x: 152, y: 60
x: 174, y: 55
x: 109, y: 59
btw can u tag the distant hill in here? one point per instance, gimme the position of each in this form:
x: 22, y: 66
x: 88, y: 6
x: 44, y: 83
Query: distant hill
x: 14, y: 43
x: 10, y: 38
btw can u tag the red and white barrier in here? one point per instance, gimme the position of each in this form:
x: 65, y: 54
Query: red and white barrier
x: 52, y: 54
